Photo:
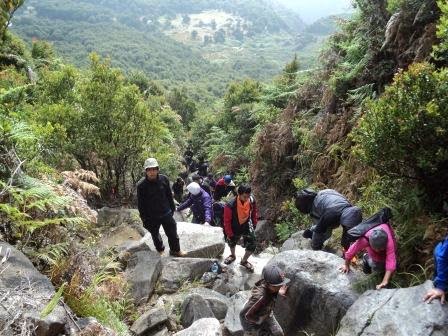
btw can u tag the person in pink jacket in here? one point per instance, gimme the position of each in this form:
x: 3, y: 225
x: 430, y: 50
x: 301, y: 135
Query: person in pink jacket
x: 380, y: 245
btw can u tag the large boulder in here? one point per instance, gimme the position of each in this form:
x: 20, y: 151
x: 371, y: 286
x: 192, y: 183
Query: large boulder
x: 149, y: 321
x: 25, y: 293
x: 113, y: 217
x: 296, y: 242
x: 199, y: 241
x: 264, y: 232
x: 178, y: 270
x: 318, y: 296
x: 194, y: 308
x: 142, y: 272
x: 232, y: 324
x: 202, y: 327
x: 237, y: 278
x: 217, y: 302
x: 398, y: 312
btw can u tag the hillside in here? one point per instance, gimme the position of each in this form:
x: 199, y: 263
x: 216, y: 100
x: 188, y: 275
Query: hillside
x: 177, y: 42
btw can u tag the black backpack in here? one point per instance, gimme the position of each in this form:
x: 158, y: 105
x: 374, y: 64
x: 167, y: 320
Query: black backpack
x: 381, y: 217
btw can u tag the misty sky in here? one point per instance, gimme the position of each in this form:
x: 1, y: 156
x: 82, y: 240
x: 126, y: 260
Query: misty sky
x: 312, y: 10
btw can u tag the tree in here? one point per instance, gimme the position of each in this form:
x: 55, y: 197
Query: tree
x: 186, y: 19
x: 184, y: 106
x: 404, y: 133
x: 194, y: 34
x: 290, y: 70
x: 7, y: 10
x: 219, y: 36
x: 213, y: 24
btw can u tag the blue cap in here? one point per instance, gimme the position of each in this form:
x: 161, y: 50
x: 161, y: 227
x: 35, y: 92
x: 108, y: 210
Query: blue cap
x: 227, y: 179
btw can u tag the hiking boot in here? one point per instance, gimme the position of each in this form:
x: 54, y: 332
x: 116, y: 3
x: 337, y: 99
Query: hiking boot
x: 308, y: 234
x: 178, y: 254
x: 365, y: 264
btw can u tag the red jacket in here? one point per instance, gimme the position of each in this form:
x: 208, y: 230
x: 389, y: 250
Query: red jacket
x: 231, y: 224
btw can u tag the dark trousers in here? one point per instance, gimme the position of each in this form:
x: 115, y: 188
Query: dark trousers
x: 170, y: 227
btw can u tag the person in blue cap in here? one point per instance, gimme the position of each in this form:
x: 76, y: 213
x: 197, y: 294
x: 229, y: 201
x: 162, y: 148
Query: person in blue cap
x: 440, y: 273
x: 223, y: 187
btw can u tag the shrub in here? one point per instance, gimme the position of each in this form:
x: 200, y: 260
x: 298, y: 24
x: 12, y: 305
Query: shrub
x: 404, y: 133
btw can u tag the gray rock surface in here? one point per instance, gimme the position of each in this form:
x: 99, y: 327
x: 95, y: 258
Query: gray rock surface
x: 25, y: 293
x: 113, y: 217
x: 202, y: 327
x: 265, y: 231
x: 142, y: 272
x: 199, y: 241
x: 232, y: 325
x: 178, y: 270
x: 296, y: 242
x: 318, y: 295
x: 398, y: 312
x: 194, y: 308
x: 149, y: 321
x: 217, y: 302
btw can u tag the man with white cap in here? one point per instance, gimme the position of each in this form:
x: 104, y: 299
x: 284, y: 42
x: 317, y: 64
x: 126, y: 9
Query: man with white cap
x: 156, y: 207
x: 200, y: 203
x: 257, y: 313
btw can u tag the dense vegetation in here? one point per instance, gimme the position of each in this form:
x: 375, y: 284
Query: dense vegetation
x: 371, y: 123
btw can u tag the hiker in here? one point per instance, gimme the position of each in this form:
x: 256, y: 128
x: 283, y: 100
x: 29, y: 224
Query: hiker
x: 178, y: 189
x: 200, y: 203
x: 202, y: 167
x: 257, y: 313
x: 210, y: 182
x: 156, y: 207
x: 440, y: 273
x: 379, y: 242
x: 199, y: 180
x: 240, y: 219
x: 223, y: 187
x: 328, y: 209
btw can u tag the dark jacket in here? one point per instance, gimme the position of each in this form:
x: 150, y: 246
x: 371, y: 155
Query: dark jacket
x: 260, y: 304
x: 330, y: 209
x: 200, y: 204
x: 155, y: 199
x: 231, y: 224
x: 222, y: 190
x: 178, y: 188
x: 441, y: 265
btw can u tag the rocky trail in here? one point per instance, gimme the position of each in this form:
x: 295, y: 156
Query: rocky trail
x: 181, y: 296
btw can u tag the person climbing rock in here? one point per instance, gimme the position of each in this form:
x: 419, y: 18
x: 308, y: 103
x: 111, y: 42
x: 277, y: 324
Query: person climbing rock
x: 240, y: 220
x: 440, y: 273
x: 199, y: 180
x: 223, y: 187
x: 328, y: 209
x: 156, y: 207
x: 178, y: 189
x: 200, y: 203
x: 202, y: 167
x: 380, y: 245
x: 257, y: 313
x: 210, y: 182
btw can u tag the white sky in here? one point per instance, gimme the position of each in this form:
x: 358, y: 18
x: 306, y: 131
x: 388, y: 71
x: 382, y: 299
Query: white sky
x: 311, y: 10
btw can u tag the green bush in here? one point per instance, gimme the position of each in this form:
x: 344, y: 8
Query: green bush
x: 404, y: 133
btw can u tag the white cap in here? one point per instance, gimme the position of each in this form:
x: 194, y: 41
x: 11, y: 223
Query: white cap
x: 150, y: 163
x: 194, y: 188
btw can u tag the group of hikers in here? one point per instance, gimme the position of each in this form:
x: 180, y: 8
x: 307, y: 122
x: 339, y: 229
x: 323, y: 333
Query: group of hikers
x: 328, y: 210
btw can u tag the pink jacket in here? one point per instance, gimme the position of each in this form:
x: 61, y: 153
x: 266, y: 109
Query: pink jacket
x: 388, y: 255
